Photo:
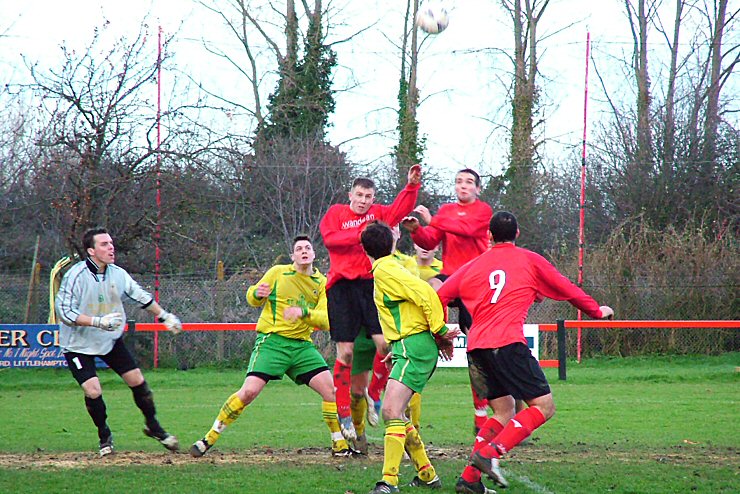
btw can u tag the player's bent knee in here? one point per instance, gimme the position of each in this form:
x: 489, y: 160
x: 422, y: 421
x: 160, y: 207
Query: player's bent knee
x: 133, y: 378
x: 92, y: 388
x: 547, y: 408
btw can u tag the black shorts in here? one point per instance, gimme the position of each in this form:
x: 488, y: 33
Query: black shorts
x: 350, y: 304
x: 119, y: 359
x: 509, y: 370
x: 464, y: 319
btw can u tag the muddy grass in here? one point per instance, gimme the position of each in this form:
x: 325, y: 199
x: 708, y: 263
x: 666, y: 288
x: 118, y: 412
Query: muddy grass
x: 303, y: 456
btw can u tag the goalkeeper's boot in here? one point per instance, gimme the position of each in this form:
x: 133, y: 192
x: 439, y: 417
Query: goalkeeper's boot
x: 435, y: 483
x: 344, y: 453
x: 106, y: 445
x: 199, y: 448
x: 489, y: 466
x: 384, y: 487
x: 348, y: 428
x: 465, y: 487
x: 165, y: 439
x: 361, y: 445
x: 373, y: 416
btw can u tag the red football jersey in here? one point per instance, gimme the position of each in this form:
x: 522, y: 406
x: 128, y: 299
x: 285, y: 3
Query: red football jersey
x: 461, y: 228
x: 499, y: 287
x: 340, y: 228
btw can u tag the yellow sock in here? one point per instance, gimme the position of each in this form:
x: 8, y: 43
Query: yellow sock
x: 230, y: 411
x: 358, y: 406
x: 395, y: 437
x: 415, y: 448
x: 329, y: 413
x: 414, y: 411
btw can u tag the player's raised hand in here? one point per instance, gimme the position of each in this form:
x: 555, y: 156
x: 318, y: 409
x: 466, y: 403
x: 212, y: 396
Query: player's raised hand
x: 410, y: 223
x: 108, y: 322
x: 424, y: 213
x: 606, y: 312
x: 263, y: 290
x: 415, y: 175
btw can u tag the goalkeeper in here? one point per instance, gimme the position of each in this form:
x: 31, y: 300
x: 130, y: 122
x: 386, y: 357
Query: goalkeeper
x: 90, y: 312
x: 293, y: 301
x: 413, y: 325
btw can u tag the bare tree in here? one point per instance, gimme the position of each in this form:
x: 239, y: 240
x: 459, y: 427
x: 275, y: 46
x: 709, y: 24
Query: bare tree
x: 285, y: 171
x: 517, y: 188
x: 660, y: 159
x: 718, y: 75
x: 95, y: 144
x: 640, y: 17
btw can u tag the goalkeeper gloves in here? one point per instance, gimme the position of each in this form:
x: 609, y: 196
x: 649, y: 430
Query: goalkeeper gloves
x: 108, y: 322
x: 171, y: 321
x: 606, y: 312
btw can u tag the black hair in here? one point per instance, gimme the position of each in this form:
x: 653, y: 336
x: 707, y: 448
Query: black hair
x: 473, y: 173
x: 503, y: 227
x: 363, y: 182
x: 88, y: 238
x: 299, y: 238
x: 377, y: 240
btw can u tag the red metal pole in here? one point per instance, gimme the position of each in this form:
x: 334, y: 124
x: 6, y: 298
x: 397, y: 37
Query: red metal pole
x: 159, y: 202
x: 582, y: 219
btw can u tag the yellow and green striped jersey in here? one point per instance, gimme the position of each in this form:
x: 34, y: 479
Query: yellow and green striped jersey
x: 428, y: 272
x: 406, y: 304
x: 290, y: 288
x: 407, y: 262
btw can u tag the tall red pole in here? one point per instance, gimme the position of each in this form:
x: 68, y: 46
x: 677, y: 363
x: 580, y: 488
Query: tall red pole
x: 159, y: 201
x: 582, y: 221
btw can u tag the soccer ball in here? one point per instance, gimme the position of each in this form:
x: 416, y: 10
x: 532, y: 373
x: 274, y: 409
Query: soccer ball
x: 432, y: 19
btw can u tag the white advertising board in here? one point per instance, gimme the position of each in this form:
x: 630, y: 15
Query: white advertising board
x: 460, y: 359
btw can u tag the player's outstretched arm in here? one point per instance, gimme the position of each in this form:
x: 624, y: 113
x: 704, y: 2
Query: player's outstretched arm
x: 170, y: 320
x: 606, y: 312
x: 414, y: 176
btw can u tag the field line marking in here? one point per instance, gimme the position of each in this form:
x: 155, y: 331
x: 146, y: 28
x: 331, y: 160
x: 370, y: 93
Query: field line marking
x: 534, y: 486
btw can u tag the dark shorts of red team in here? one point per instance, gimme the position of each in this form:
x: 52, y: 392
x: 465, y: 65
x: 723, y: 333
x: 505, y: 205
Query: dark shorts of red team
x: 509, y: 370
x: 351, y: 306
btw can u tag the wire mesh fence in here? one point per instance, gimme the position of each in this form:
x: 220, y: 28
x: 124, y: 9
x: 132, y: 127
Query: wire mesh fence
x: 200, y: 298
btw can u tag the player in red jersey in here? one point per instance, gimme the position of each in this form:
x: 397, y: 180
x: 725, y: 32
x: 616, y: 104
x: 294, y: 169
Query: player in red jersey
x: 498, y: 288
x: 462, y: 229
x: 349, y: 286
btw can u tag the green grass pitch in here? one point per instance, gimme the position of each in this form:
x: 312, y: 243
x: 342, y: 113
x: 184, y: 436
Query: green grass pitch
x: 637, y: 425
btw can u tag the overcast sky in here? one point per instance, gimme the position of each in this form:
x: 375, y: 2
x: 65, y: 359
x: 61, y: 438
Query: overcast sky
x: 464, y: 93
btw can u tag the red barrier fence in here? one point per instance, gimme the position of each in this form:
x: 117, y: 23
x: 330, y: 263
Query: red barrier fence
x: 560, y: 327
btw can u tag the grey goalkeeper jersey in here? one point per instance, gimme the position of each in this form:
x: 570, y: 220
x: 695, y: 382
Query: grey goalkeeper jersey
x: 85, y: 291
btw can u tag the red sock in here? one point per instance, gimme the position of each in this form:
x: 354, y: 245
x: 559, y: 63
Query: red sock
x: 342, y: 376
x: 379, y: 379
x: 517, y: 430
x: 490, y: 429
x: 481, y: 410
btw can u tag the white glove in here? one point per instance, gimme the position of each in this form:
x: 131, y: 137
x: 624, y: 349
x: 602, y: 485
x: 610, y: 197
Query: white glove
x: 108, y: 322
x: 606, y: 312
x: 171, y: 321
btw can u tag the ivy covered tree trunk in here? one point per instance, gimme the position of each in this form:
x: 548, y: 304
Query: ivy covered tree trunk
x: 517, y: 188
x: 410, y: 148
